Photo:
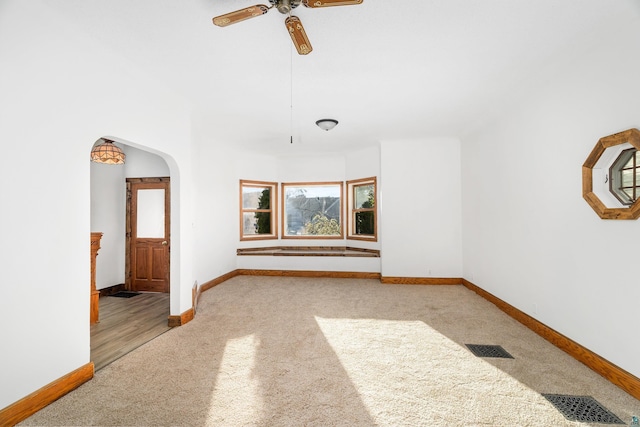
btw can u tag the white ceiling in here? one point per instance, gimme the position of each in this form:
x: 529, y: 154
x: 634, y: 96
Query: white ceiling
x: 385, y: 68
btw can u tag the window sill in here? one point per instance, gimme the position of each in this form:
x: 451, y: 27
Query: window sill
x: 342, y: 251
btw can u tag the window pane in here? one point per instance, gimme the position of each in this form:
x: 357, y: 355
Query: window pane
x: 256, y: 223
x: 362, y: 209
x: 312, y: 210
x: 364, y: 196
x: 628, y: 164
x: 258, y: 210
x: 256, y: 197
x: 627, y: 177
x: 150, y: 219
x: 364, y: 223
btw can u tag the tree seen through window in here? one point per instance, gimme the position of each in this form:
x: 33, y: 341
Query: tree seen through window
x: 312, y: 210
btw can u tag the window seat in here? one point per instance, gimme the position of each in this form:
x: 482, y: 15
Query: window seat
x: 343, y: 251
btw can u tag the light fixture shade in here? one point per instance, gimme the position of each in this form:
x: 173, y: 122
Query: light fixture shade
x: 327, y: 124
x: 107, y: 153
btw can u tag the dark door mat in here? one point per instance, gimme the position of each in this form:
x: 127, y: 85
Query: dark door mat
x: 482, y: 350
x: 582, y: 408
x: 125, y: 294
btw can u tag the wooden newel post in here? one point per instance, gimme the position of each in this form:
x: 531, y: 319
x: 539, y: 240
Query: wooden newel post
x: 95, y: 295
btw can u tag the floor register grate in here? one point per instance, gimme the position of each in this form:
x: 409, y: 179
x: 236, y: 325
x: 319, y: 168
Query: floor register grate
x: 582, y: 408
x: 482, y: 350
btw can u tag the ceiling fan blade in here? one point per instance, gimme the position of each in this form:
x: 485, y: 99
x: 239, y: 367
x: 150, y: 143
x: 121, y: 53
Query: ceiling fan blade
x: 240, y: 15
x: 298, y: 35
x: 328, y: 3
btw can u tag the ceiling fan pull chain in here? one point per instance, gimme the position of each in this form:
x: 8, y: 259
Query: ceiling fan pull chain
x: 291, y: 92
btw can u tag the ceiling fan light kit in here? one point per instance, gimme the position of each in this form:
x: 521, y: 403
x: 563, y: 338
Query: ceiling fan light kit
x: 293, y: 23
x: 326, y: 124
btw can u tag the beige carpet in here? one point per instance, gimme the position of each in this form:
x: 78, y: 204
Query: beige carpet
x: 266, y: 351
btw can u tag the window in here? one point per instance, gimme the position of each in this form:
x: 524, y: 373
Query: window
x: 257, y: 210
x: 362, y: 208
x: 625, y: 176
x: 312, y: 210
x: 597, y: 170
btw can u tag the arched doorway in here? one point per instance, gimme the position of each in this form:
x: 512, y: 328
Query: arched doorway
x: 130, y: 315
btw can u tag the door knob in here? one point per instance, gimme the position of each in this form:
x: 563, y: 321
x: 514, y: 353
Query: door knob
x: 164, y: 243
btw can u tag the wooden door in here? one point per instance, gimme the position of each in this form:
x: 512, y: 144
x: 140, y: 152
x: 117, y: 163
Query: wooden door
x: 148, y: 240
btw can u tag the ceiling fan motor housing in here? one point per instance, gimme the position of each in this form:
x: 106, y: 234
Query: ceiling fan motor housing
x: 285, y: 6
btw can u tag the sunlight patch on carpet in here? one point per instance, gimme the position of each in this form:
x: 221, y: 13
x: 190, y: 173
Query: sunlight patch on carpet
x: 413, y: 365
x: 237, y: 383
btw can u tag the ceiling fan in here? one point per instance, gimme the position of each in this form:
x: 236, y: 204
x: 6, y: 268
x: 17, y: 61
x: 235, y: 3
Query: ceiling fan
x: 293, y: 23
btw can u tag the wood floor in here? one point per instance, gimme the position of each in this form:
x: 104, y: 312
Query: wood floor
x: 127, y: 323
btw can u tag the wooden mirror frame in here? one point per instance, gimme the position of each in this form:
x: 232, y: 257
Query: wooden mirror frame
x: 632, y: 136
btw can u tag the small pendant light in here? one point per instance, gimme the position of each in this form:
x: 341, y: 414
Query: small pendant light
x: 107, y: 153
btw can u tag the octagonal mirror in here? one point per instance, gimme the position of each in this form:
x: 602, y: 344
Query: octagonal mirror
x: 611, y: 176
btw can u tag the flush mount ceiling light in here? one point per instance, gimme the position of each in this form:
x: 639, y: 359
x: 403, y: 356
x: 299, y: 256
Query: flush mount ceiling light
x: 326, y: 124
x: 107, y: 153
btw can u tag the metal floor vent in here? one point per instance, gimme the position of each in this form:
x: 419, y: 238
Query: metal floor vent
x: 582, y: 408
x: 482, y: 350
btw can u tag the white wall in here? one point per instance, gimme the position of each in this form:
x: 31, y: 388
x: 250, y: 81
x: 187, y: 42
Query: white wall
x: 61, y: 92
x: 143, y: 164
x: 421, y: 208
x: 215, y: 226
x: 108, y: 207
x: 529, y: 237
x: 363, y: 163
